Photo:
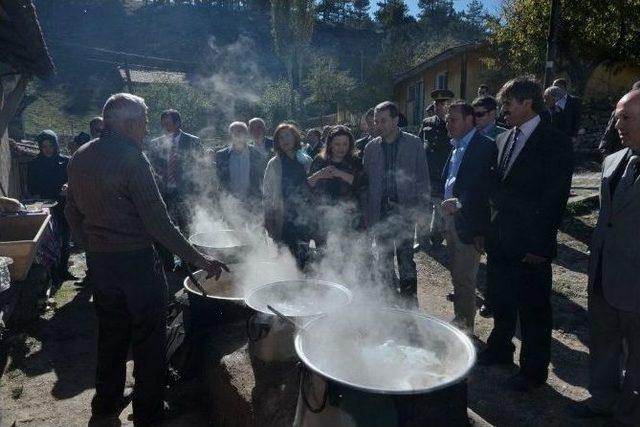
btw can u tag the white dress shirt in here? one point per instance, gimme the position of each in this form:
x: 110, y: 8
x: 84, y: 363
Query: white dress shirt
x: 526, y: 129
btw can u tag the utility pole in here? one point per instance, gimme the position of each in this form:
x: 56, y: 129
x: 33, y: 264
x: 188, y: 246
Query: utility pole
x: 552, y: 42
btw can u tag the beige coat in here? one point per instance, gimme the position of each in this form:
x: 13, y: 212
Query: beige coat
x: 272, y: 194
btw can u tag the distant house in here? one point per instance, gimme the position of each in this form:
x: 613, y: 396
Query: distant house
x: 23, y: 55
x: 458, y: 69
x: 136, y: 76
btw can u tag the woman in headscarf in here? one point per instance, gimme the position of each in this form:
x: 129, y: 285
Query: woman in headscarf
x: 47, y: 175
x: 336, y: 180
x: 285, y: 192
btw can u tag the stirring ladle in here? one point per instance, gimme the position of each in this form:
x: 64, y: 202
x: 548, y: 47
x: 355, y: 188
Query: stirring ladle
x: 283, y: 317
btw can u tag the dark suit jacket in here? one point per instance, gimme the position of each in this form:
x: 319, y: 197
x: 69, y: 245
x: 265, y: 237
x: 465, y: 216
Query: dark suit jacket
x: 572, y: 111
x: 610, y: 141
x: 190, y: 154
x: 257, y: 164
x: 473, y: 186
x: 528, y: 204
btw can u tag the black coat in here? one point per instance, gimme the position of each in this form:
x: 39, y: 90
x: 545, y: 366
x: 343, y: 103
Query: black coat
x: 572, y: 112
x: 473, y: 187
x: 528, y: 204
x: 257, y: 164
x: 437, y: 145
x: 46, y: 176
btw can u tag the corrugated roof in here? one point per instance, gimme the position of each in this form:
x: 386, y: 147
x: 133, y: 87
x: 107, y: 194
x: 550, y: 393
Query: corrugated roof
x: 22, y: 43
x: 436, y: 59
x: 153, y: 76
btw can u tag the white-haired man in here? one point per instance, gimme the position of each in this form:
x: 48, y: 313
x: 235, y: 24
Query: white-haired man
x: 614, y: 300
x: 116, y: 212
x: 257, y: 130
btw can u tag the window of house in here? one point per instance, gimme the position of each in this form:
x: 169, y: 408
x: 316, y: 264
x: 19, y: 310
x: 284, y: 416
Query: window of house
x: 415, y: 102
x: 442, y: 81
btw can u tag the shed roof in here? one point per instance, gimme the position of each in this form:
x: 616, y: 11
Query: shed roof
x: 442, y: 56
x: 139, y: 75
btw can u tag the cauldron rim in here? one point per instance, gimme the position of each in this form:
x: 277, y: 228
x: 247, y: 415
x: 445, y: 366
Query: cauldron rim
x: 317, y: 313
x: 330, y: 378
x: 186, y: 284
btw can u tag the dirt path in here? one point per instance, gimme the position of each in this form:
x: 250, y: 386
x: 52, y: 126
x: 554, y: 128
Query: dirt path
x: 49, y: 371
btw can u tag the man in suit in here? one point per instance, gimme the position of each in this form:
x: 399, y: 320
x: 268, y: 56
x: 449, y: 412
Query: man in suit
x: 614, y: 300
x: 468, y: 176
x: 174, y: 156
x: 553, y: 114
x: 257, y: 130
x: 435, y: 138
x: 397, y: 197
x: 240, y: 167
x: 610, y: 140
x: 535, y: 164
x: 484, y: 111
x: 571, y: 106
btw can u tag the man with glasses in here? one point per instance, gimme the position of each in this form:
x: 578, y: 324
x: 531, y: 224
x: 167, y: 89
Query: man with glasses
x: 484, y: 111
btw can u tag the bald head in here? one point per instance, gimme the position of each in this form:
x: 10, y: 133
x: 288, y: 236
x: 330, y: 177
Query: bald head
x: 628, y: 119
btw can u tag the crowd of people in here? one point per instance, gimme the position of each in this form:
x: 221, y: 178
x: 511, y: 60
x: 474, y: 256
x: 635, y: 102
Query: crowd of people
x: 491, y: 176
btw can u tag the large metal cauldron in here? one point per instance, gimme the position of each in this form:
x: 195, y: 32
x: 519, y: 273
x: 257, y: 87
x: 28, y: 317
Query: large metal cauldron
x: 385, y: 367
x: 224, y: 299
x: 271, y: 338
x: 228, y: 246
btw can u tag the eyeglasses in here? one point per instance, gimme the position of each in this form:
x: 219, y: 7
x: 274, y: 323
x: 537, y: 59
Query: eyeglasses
x: 479, y: 114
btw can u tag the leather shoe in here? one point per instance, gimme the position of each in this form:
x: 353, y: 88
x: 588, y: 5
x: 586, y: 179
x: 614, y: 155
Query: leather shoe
x: 168, y: 412
x: 490, y: 358
x: 485, y: 311
x: 523, y: 384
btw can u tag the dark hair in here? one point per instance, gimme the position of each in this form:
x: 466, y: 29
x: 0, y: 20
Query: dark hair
x: 94, y: 122
x: 175, y: 116
x: 636, y: 85
x: 561, y: 82
x: 296, y: 134
x: 81, y: 138
x: 314, y: 131
x: 483, y: 86
x: 522, y: 88
x: 463, y: 106
x: 487, y: 102
x: 334, y: 132
x: 388, y: 106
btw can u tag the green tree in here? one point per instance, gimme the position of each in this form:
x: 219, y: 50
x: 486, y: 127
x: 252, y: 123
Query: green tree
x: 392, y: 15
x: 327, y: 85
x: 275, y: 101
x: 292, y: 27
x: 592, y: 32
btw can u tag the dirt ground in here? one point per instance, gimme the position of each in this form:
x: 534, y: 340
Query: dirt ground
x: 49, y: 369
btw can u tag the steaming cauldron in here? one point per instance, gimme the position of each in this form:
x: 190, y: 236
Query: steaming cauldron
x: 386, y: 367
x: 271, y: 338
x: 224, y: 299
x: 228, y: 246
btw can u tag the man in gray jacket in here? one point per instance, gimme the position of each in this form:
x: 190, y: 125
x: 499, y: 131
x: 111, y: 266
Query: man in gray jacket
x: 614, y: 283
x: 395, y: 164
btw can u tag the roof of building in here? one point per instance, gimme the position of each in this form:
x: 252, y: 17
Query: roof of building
x: 139, y: 75
x: 22, y: 44
x: 442, y: 56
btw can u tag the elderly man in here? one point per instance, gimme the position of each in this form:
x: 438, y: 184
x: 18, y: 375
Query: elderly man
x: 610, y: 140
x: 532, y: 187
x: 469, y: 175
x: 395, y: 165
x: 240, y: 167
x: 484, y: 112
x: 571, y: 106
x: 554, y: 115
x: 257, y: 130
x: 614, y: 300
x: 116, y: 212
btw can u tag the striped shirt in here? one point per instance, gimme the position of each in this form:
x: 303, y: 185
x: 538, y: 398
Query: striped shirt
x: 113, y: 202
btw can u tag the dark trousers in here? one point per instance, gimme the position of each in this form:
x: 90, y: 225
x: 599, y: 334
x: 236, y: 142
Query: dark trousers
x: 520, y: 290
x: 610, y: 391
x: 64, y: 238
x: 130, y: 298
x: 394, y: 240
